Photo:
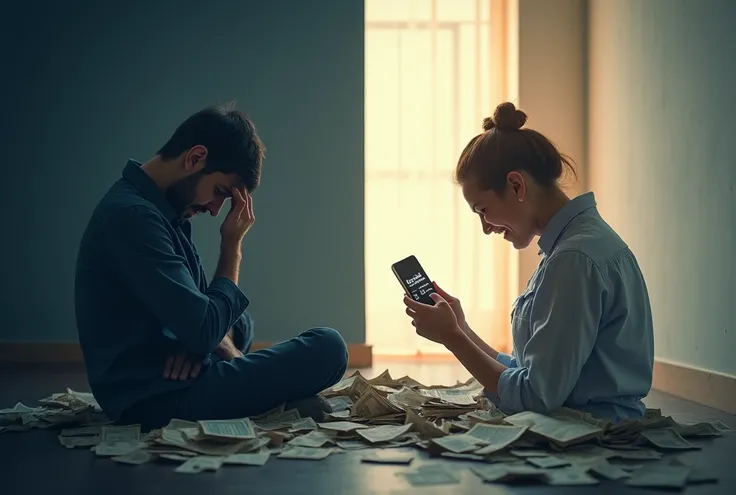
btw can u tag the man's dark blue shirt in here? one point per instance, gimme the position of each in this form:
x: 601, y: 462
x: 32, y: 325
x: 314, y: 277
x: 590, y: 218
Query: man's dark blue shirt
x: 141, y: 295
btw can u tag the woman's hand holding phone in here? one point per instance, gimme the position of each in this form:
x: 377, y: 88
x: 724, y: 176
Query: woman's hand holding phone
x: 454, y: 303
x: 437, y: 323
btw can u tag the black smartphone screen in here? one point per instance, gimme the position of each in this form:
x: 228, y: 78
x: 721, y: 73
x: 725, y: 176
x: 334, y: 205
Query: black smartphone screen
x: 414, y: 279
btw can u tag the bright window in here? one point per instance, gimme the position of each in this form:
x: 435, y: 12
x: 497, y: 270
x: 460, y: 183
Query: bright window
x: 428, y: 80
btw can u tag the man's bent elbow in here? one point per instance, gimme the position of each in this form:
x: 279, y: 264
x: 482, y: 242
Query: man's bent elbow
x: 203, y: 337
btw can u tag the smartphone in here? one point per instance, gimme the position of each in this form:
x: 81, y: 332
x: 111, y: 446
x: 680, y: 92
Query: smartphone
x: 414, y: 279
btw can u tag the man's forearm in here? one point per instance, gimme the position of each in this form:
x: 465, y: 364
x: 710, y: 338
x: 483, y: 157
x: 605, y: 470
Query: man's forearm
x: 227, y: 349
x: 228, y: 266
x: 493, y: 353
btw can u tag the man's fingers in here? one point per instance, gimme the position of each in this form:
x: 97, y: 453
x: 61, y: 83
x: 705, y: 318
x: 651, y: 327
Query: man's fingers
x: 167, y: 367
x: 411, y: 312
x: 178, y: 363
x: 248, y: 204
x: 237, y: 197
x: 247, y: 198
x: 238, y: 201
x: 178, y: 367
x: 233, y: 198
x: 185, y: 369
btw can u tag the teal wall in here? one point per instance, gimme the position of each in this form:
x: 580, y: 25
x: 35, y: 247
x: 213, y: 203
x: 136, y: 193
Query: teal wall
x: 92, y: 85
x: 662, y: 162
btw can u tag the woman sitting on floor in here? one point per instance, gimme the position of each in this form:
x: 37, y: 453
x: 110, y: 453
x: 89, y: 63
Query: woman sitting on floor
x: 582, y: 328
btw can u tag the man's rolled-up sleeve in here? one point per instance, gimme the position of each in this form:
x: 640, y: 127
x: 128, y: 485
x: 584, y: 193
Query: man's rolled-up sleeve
x: 565, y: 314
x: 148, y: 265
x: 243, y: 332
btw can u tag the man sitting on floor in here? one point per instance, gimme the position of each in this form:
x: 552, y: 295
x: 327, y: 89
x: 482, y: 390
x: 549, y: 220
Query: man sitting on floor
x: 159, y: 341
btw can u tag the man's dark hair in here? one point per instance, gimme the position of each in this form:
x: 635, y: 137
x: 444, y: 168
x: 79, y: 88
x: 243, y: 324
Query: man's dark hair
x: 233, y: 146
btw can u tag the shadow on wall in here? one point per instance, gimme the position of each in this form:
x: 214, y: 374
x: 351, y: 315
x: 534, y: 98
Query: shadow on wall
x: 98, y: 84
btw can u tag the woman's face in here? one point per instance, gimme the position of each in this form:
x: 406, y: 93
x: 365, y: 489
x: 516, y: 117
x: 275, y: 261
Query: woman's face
x: 508, y: 214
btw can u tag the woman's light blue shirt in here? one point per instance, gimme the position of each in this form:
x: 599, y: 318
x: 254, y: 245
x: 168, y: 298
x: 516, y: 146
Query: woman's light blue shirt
x: 582, y: 328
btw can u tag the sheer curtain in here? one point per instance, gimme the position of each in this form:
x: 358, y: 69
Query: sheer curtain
x: 431, y: 75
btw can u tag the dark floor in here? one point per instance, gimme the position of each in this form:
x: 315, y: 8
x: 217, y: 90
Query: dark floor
x: 35, y: 463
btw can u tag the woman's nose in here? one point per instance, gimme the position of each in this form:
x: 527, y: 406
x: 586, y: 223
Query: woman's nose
x: 487, y: 228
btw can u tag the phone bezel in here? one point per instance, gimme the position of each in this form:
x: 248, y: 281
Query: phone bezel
x: 403, y: 284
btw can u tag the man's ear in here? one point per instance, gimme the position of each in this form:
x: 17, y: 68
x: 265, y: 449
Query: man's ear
x: 195, y: 159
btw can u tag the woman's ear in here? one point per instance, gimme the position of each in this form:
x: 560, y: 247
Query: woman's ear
x: 517, y: 185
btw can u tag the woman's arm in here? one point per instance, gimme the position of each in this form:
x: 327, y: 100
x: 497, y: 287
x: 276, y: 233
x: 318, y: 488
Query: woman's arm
x: 476, y: 360
x: 564, y: 318
x: 457, y: 308
x: 490, y: 351
x: 505, y: 359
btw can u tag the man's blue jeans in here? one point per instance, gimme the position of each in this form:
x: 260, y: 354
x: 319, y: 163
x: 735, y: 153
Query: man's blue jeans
x: 253, y: 384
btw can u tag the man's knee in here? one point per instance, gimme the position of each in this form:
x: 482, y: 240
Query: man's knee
x: 331, y: 345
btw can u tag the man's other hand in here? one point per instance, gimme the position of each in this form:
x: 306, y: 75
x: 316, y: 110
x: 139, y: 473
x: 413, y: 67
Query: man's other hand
x: 182, y: 367
x: 227, y: 350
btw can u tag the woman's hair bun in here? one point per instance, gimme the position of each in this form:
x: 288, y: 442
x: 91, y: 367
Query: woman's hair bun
x: 506, y: 118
